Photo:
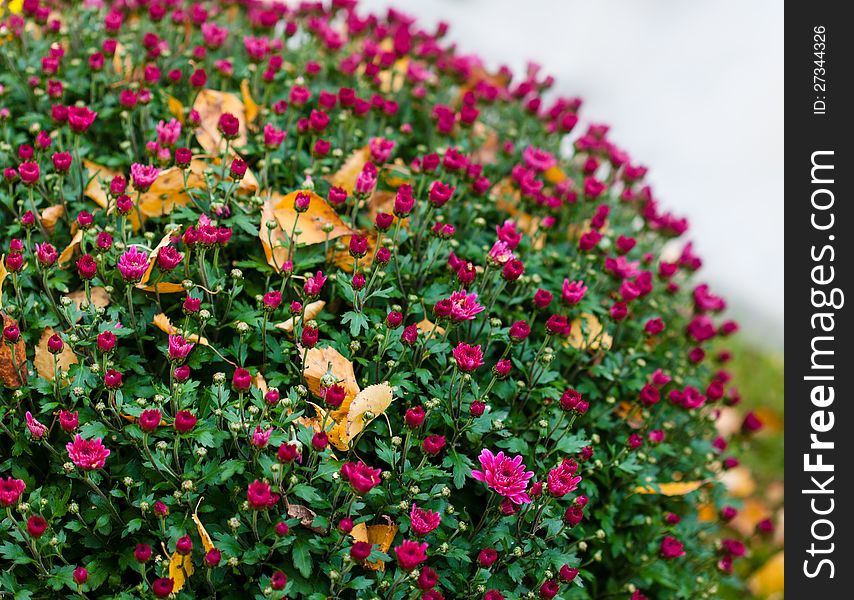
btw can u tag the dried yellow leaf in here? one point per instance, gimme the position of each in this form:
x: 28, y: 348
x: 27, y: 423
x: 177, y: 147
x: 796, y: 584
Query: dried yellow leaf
x: 13, y: 371
x: 310, y: 311
x: 43, y: 361
x: 176, y: 108
x: 379, y: 535
x: 100, y: 297
x: 374, y: 399
x: 430, y: 329
x: 248, y: 102
x: 211, y: 104
x: 3, y: 275
x: 595, y: 336
x: 207, y: 542
x: 162, y: 322
x: 180, y: 570
x: 675, y: 488
x: 554, y: 175
x: 67, y: 255
x: 318, y: 361
x: 50, y: 216
x: 345, y: 177
x: 310, y: 225
x: 769, y: 579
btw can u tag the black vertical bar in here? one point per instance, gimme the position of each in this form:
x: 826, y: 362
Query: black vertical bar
x: 819, y: 233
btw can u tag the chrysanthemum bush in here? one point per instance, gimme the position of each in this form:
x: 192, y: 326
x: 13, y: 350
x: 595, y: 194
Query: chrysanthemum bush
x: 300, y: 301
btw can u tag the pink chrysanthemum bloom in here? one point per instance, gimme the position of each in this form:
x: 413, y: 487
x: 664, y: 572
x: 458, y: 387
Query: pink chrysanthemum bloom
x: 87, y: 454
x: 500, y: 253
x: 562, y: 479
x: 168, y: 133
x: 261, y: 437
x: 362, y: 478
x: 422, y: 521
x: 572, y: 292
x: 381, y: 149
x: 464, y: 306
x: 133, y: 264
x: 538, y: 159
x: 37, y: 430
x: 179, y: 348
x: 143, y: 176
x: 10, y: 491
x: 504, y: 475
x: 468, y: 357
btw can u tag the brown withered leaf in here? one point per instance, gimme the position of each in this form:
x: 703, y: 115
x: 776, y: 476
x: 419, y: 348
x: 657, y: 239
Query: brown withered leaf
x: 100, y: 297
x: 320, y: 360
x: 166, y: 193
x: 43, y: 361
x: 50, y: 216
x: 554, y: 175
x: 95, y: 173
x: 305, y: 515
x: 211, y: 104
x: 67, y: 255
x: 12, y: 372
x: 391, y: 79
x: 311, y: 222
x: 752, y: 511
x: 344, y: 261
x: 163, y: 287
x: 430, y: 329
x: 280, y: 209
x: 380, y: 535
x: 632, y: 413
x: 739, y: 481
x: 345, y: 177
x: 123, y: 63
x: 310, y: 311
x: 162, y: 322
x: 587, y: 334
x: 333, y: 423
x: 487, y: 150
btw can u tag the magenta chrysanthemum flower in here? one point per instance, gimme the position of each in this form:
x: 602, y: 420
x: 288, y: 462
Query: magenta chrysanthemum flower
x: 464, y: 306
x: 562, y: 479
x: 179, y: 348
x: 37, y: 430
x: 87, y: 454
x: 504, y: 475
x: 143, y: 176
x: 500, y: 253
x: 261, y: 437
x: 468, y: 357
x: 168, y: 133
x: 422, y: 521
x: 133, y: 264
x: 10, y: 491
x: 538, y: 159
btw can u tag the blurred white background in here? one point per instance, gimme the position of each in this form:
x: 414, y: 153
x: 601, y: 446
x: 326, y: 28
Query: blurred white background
x: 694, y: 90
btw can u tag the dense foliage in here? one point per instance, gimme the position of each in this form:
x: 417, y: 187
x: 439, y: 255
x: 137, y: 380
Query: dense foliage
x: 303, y: 302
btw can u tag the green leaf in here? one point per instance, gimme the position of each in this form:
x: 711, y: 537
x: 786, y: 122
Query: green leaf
x: 94, y: 429
x: 307, y: 493
x: 357, y: 321
x: 302, y: 558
